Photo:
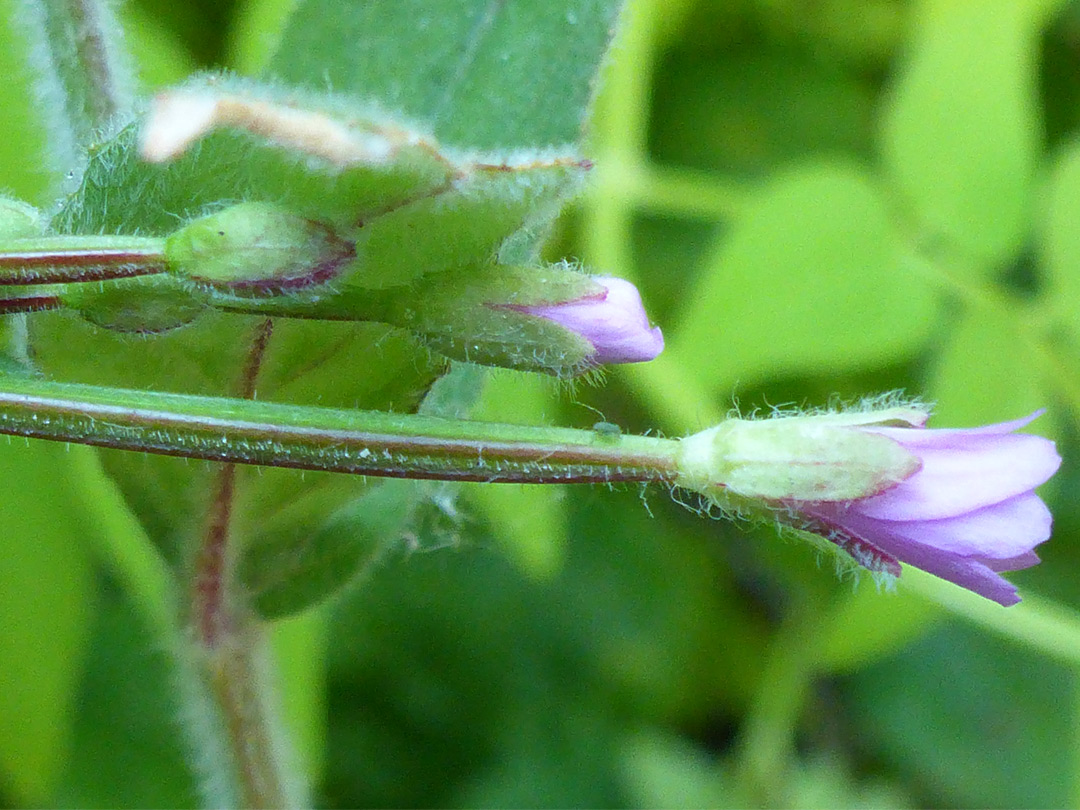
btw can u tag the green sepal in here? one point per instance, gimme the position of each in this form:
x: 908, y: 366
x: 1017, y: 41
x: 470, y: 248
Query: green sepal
x: 802, y: 458
x: 474, y: 318
x: 257, y: 248
x: 469, y: 315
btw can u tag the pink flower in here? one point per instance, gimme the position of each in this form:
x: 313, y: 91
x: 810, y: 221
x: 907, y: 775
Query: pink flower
x: 967, y: 514
x: 614, y: 322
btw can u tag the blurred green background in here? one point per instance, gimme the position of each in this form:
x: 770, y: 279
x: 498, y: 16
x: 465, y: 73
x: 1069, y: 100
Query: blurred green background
x: 817, y: 198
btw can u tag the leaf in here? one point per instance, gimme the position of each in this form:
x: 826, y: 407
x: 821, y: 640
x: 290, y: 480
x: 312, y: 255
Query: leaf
x: 962, y: 129
x: 490, y: 74
x: 1059, y: 237
x: 866, y: 625
x: 161, y: 57
x: 987, y: 372
x: 284, y: 574
x: 663, y: 770
x: 974, y: 721
x: 808, y: 280
x: 33, y: 156
x: 288, y: 572
x: 461, y: 227
x: 775, y: 110
x: 47, y: 594
x: 529, y: 521
x: 255, y: 33
x: 126, y: 749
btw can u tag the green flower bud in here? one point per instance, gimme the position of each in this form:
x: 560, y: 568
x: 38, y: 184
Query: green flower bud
x: 481, y: 317
x: 798, y: 459
x: 256, y: 249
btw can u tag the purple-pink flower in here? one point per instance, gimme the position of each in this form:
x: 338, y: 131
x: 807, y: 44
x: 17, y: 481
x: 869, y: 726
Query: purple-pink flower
x: 614, y: 322
x: 969, y: 512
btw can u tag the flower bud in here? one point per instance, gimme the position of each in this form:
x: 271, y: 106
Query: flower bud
x: 802, y: 458
x: 553, y: 319
x: 960, y: 504
x: 613, y: 321
x: 256, y: 249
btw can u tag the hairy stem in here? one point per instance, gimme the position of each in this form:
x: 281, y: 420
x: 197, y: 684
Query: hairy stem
x: 237, y: 677
x: 72, y: 259
x: 233, y: 664
x: 108, y: 86
x: 360, y: 442
x: 82, y: 78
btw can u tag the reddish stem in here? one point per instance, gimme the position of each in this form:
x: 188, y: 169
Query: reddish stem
x: 20, y: 268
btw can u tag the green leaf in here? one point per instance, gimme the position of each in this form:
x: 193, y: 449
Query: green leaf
x: 866, y: 625
x: 307, y: 362
x: 285, y: 573
x: 33, y: 154
x: 159, y: 54
x: 775, y: 109
x: 1059, y: 237
x: 490, y: 75
x: 462, y: 226
x: 987, y: 372
x: 974, y: 721
x: 255, y: 33
x: 808, y: 280
x: 126, y: 749
x: 47, y: 594
x: 661, y: 770
x: 529, y: 521
x: 962, y: 129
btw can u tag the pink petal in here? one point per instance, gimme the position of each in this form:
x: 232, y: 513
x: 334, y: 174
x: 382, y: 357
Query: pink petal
x: 954, y: 437
x: 989, y: 469
x: 1016, y: 563
x: 998, y: 532
x: 615, y: 323
x: 967, y: 572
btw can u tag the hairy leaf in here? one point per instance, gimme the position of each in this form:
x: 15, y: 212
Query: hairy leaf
x: 490, y: 74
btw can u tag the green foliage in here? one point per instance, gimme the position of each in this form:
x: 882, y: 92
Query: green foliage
x: 940, y: 737
x: 284, y: 576
x: 487, y: 76
x: 964, y: 151
x: 807, y: 280
x: 46, y: 588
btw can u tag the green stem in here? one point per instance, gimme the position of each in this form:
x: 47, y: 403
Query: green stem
x: 73, y: 259
x: 361, y: 442
x: 93, y: 30
x: 767, y: 742
x: 231, y: 650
